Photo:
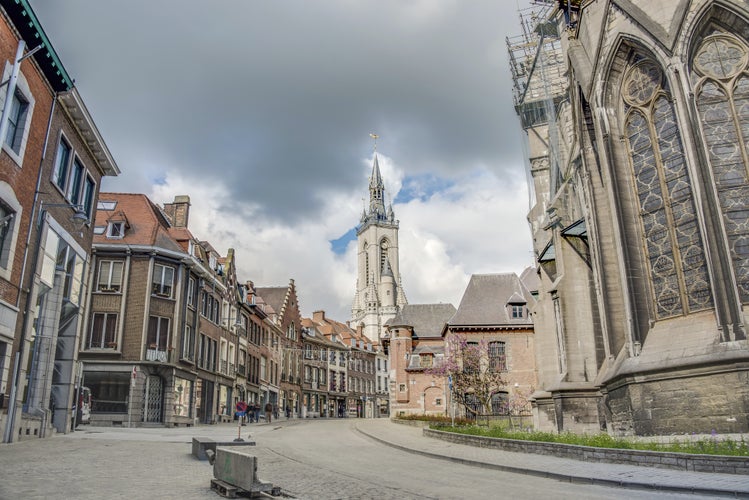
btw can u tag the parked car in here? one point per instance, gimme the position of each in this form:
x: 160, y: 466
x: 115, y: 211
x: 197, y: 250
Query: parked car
x: 82, y: 409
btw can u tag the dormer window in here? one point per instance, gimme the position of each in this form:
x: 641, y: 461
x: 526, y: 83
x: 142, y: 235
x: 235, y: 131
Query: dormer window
x: 116, y: 230
x: 516, y: 306
x: 516, y: 311
x: 117, y: 224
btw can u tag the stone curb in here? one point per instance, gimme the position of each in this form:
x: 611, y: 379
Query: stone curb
x: 570, y: 478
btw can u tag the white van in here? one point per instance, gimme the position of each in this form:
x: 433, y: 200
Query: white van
x: 83, y: 408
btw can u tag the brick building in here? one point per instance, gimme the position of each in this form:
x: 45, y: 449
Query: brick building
x: 284, y: 315
x: 494, y: 311
x: 161, y: 337
x: 414, y: 342
x: 51, y: 165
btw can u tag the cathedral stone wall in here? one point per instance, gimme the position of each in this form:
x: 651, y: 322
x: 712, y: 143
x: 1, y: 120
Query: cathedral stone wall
x: 640, y: 324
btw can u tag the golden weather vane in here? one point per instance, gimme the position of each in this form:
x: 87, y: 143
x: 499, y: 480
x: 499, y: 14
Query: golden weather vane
x: 375, y: 137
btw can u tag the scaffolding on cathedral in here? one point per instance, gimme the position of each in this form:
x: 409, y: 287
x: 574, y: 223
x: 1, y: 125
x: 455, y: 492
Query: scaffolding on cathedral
x: 539, y: 75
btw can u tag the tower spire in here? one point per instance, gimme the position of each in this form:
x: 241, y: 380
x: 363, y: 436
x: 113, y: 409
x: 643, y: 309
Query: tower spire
x: 376, y: 192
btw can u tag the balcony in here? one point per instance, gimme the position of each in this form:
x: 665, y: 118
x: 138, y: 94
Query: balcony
x: 157, y: 355
x: 224, y: 366
x: 241, y: 370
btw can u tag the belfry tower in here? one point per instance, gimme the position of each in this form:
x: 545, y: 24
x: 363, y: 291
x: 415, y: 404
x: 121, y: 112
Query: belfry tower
x: 379, y: 294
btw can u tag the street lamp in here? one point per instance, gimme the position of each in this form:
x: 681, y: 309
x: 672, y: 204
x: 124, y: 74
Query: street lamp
x: 79, y: 219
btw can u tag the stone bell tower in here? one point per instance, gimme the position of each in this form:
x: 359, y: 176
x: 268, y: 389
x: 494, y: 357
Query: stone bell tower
x: 379, y: 293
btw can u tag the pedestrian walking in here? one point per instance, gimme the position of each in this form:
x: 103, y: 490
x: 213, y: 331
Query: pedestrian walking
x: 288, y: 412
x: 268, y: 411
x: 256, y: 412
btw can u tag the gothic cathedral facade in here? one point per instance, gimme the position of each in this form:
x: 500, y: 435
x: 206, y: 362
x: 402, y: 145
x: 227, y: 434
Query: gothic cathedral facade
x: 637, y: 117
x: 379, y: 293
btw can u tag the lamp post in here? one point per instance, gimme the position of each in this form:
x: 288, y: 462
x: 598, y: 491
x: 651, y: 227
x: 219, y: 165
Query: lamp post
x: 79, y: 219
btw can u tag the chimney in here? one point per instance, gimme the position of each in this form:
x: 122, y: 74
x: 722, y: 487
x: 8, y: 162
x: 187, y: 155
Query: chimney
x: 318, y: 316
x: 178, y: 211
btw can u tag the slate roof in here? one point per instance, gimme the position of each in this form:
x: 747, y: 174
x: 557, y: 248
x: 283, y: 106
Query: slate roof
x: 530, y: 279
x: 274, y: 296
x: 485, y: 301
x: 427, y: 320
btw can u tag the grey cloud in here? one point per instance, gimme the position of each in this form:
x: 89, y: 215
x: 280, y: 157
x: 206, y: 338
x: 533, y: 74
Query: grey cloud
x: 277, y: 98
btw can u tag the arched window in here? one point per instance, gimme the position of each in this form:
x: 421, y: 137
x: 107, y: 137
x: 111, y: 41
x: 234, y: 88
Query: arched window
x: 673, y: 244
x: 366, y: 264
x: 383, y: 254
x: 721, y: 81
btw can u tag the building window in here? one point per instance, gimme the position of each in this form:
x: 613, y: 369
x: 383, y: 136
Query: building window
x: 103, y: 331
x: 383, y: 255
x: 109, y: 391
x: 663, y: 192
x: 517, y: 311
x: 367, y: 278
x: 191, y: 292
x: 116, y: 230
x: 87, y: 200
x: 62, y: 164
x: 73, y: 266
x: 497, y: 357
x: 106, y: 205
x: 17, y: 116
x: 7, y: 219
x: 402, y: 387
x: 74, y: 190
x: 158, y: 333
x: 721, y: 93
x: 188, y: 343
x: 163, y: 280
x: 110, y: 276
x: 500, y: 403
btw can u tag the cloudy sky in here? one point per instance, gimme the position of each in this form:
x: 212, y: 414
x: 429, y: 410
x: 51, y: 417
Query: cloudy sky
x: 261, y: 112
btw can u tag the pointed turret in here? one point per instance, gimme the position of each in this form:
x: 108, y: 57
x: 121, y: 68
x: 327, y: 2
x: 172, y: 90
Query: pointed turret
x: 376, y: 193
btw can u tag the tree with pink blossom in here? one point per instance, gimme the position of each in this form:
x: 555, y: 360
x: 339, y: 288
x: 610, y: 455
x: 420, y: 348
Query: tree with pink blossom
x: 474, y: 379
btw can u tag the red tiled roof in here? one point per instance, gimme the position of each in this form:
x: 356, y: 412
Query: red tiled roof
x: 146, y: 224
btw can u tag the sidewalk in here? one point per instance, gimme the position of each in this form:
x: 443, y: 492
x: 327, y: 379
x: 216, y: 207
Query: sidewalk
x: 410, y: 439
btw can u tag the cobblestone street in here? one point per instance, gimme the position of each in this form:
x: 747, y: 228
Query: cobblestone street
x: 306, y: 459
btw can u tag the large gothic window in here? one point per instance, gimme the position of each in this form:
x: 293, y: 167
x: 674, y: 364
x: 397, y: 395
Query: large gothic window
x: 721, y: 80
x: 673, y: 245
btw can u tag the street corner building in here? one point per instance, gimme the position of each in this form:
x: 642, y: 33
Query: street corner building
x: 52, y: 161
x: 637, y: 120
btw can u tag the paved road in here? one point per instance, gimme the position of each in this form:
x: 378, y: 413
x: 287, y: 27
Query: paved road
x: 318, y: 459
x: 329, y: 460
